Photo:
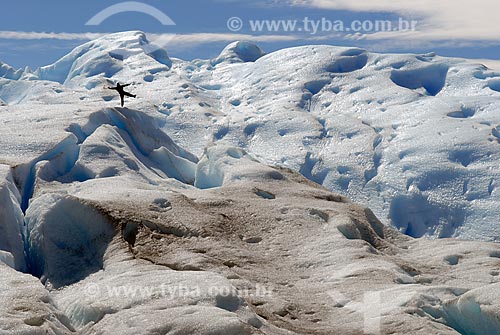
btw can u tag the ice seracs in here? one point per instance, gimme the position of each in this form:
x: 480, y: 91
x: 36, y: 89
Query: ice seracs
x: 103, y: 57
x: 9, y: 72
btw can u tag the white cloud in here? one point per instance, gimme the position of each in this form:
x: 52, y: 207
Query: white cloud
x: 178, y: 41
x: 181, y: 42
x: 193, y: 38
x: 25, y: 35
x: 440, y: 20
x: 201, y: 38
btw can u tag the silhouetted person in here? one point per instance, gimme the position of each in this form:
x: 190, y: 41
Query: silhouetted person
x: 121, y: 91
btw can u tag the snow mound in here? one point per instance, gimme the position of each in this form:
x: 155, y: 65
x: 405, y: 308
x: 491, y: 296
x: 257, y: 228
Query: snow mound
x: 135, y: 142
x: 104, y: 57
x: 239, y: 52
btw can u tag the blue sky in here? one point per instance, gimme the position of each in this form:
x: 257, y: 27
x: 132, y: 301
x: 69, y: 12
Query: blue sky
x: 37, y: 33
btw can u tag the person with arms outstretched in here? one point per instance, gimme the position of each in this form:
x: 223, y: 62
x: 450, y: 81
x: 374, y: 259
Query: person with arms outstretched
x: 121, y: 91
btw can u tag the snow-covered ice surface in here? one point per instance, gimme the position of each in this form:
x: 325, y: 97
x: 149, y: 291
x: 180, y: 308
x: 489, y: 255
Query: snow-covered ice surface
x: 188, y: 212
x: 414, y: 137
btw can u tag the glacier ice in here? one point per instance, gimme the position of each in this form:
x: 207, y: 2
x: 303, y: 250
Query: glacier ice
x: 11, y: 222
x: 27, y: 307
x: 66, y: 240
x: 193, y: 186
x: 476, y: 312
x: 100, y: 57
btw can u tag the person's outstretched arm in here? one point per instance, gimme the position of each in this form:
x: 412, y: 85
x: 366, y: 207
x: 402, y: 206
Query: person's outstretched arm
x: 112, y: 88
x: 125, y: 85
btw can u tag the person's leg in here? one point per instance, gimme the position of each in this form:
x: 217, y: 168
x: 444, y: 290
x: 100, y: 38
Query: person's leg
x: 122, y: 99
x: 130, y: 95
